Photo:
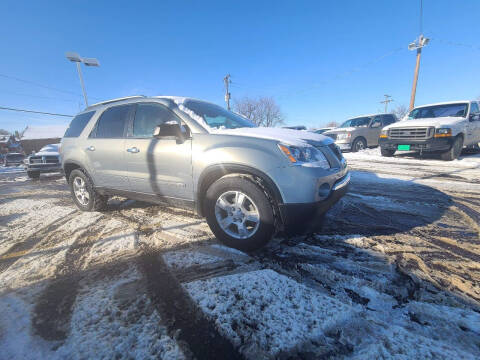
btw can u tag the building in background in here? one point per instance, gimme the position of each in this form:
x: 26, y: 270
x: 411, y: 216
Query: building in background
x: 36, y: 137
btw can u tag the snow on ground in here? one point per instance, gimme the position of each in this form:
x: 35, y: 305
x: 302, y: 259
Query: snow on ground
x: 114, y: 318
x: 264, y: 312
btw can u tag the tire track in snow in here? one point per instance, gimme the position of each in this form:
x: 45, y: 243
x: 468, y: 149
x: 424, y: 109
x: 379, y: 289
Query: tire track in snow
x: 22, y: 248
x: 185, y: 321
x: 53, y: 308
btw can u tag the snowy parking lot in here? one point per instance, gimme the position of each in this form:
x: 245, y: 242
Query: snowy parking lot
x: 395, y: 273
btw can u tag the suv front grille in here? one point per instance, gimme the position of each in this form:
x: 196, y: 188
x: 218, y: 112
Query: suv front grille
x: 411, y: 133
x: 44, y: 160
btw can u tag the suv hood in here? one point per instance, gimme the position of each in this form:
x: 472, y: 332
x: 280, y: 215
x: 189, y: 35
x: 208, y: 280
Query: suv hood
x: 46, y: 153
x: 340, y: 130
x: 287, y: 136
x: 437, y: 122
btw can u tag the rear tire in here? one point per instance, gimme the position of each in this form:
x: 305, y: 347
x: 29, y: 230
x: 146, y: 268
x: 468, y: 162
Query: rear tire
x: 387, y: 152
x: 83, y: 192
x: 33, y: 174
x: 454, y: 151
x: 359, y: 144
x: 239, y: 213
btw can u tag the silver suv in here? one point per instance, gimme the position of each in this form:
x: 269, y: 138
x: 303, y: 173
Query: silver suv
x: 249, y: 182
x: 360, y: 132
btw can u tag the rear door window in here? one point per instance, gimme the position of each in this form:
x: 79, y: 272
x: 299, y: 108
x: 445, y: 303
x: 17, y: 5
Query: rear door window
x: 78, y: 124
x: 148, y: 116
x: 111, y: 124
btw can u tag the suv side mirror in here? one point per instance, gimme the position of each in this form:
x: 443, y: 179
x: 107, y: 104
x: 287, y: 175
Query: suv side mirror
x: 169, y: 129
x: 376, y: 124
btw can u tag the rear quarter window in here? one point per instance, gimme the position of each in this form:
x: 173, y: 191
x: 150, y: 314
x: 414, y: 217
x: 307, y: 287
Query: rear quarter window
x: 78, y: 124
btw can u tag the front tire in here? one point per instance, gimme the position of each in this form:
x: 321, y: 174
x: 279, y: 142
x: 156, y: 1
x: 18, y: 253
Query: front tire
x: 359, y: 144
x: 454, y: 151
x: 83, y: 192
x: 33, y: 174
x: 387, y: 152
x: 239, y: 213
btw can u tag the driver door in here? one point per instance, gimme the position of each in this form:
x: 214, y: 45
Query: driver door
x: 158, y: 166
x: 374, y: 131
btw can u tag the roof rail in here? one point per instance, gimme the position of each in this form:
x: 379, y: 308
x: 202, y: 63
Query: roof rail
x: 117, y: 99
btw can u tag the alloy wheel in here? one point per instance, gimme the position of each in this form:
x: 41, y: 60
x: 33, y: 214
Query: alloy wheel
x: 80, y: 191
x: 237, y: 214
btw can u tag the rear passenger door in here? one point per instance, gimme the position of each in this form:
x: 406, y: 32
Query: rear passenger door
x: 160, y: 166
x: 105, y: 148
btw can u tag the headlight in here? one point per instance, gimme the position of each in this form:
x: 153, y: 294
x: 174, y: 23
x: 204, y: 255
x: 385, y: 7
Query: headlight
x: 305, y: 155
x: 344, y: 136
x: 443, y: 132
x: 384, y: 134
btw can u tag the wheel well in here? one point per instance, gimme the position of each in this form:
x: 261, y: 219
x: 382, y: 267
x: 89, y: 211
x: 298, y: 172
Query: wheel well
x: 68, y: 168
x: 212, y: 175
x: 360, y: 137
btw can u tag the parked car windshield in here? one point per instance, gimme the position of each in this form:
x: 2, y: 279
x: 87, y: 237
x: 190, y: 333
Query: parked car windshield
x: 215, y: 116
x: 50, y: 148
x: 357, y: 122
x: 436, y: 111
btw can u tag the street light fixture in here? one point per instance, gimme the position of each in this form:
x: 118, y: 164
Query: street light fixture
x: 74, y: 57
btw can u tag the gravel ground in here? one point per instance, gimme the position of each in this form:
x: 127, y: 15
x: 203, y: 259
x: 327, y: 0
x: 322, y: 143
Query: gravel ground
x: 394, y: 274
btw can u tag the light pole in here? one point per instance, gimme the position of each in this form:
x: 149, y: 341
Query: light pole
x: 74, y: 57
x: 418, y: 44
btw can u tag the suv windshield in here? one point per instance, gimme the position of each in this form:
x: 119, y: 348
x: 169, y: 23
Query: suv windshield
x: 357, y: 122
x: 215, y: 116
x: 460, y: 110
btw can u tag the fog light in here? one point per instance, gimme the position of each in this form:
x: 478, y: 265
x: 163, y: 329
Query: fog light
x: 324, y: 191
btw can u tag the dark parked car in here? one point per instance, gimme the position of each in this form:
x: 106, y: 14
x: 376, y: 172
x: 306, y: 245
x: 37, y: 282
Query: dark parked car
x: 12, y: 159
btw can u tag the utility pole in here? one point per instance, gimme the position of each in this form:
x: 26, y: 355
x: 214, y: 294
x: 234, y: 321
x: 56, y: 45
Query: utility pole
x: 226, y: 80
x: 418, y: 44
x: 387, y: 100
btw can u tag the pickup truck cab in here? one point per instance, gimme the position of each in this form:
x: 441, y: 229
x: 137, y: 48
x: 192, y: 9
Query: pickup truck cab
x: 444, y: 128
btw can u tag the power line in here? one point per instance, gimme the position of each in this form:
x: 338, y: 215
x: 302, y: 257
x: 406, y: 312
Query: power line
x: 41, y: 85
x: 38, y: 96
x: 388, y: 99
x: 33, y: 111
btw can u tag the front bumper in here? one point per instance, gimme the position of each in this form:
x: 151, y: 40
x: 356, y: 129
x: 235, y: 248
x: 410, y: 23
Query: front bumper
x: 344, y: 146
x: 44, y: 168
x: 428, y: 145
x: 307, y: 218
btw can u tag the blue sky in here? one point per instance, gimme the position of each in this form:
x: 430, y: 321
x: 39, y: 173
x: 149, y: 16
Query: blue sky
x: 320, y: 60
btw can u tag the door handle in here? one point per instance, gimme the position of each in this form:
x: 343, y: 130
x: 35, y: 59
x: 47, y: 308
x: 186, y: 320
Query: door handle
x: 91, y: 148
x: 133, y: 150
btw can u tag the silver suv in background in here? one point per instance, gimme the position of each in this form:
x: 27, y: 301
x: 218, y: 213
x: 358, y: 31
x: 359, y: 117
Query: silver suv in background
x: 248, y: 182
x: 361, y: 132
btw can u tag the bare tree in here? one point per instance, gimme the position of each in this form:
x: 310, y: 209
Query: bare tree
x: 4, y: 132
x: 332, y: 124
x: 263, y: 111
x: 400, y: 111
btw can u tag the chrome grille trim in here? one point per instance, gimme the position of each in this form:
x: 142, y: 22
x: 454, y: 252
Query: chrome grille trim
x: 411, y: 133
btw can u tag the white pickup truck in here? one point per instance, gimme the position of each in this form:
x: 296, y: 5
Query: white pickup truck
x: 444, y: 128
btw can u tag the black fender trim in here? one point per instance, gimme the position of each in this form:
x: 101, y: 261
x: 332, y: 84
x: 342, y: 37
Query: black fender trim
x: 214, y: 172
